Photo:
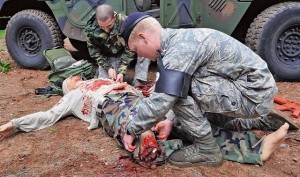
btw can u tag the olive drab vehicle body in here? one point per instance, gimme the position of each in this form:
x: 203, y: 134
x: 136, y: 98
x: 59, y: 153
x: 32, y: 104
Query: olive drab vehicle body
x: 270, y: 28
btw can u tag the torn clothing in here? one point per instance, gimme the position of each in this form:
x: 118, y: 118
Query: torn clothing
x: 80, y: 102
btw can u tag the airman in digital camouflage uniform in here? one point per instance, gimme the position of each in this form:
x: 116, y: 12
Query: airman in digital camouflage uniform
x: 202, y: 72
x: 108, y: 49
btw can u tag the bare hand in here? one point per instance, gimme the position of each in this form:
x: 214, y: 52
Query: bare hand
x: 112, y: 74
x: 6, y: 129
x: 164, y: 129
x: 128, y: 140
x: 120, y: 78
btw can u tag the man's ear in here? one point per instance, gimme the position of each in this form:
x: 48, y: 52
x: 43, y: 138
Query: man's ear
x: 142, y: 37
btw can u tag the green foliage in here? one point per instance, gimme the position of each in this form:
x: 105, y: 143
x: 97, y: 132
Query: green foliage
x: 2, y: 34
x: 4, y: 66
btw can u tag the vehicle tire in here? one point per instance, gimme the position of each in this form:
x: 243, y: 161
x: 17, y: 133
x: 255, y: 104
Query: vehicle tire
x: 275, y: 36
x: 28, y: 34
x: 82, y: 51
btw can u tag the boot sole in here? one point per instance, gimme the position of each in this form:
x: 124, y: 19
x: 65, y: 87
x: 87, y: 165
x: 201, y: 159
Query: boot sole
x: 190, y: 164
x: 282, y: 116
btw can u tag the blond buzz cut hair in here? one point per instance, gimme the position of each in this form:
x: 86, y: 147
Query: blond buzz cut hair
x: 147, y: 24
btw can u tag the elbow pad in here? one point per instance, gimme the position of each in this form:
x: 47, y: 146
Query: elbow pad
x: 172, y: 82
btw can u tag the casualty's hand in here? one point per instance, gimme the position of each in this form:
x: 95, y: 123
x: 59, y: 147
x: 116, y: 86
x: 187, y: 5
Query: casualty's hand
x: 128, y: 140
x: 164, y: 129
x: 6, y: 129
x: 120, y: 78
x: 112, y: 74
x: 149, y: 148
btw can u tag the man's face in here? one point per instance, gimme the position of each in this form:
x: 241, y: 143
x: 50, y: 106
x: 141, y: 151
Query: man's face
x: 108, y: 24
x: 143, y: 48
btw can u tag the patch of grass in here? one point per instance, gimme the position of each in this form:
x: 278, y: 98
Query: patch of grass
x: 224, y: 173
x: 2, y: 34
x: 52, y: 130
x: 4, y: 66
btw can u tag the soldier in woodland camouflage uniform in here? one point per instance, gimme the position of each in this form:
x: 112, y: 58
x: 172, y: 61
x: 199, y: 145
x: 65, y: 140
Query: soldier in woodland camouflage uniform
x: 108, y: 49
x: 202, y: 72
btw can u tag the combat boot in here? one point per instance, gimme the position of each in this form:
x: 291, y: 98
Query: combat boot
x: 204, y: 151
x: 274, y: 120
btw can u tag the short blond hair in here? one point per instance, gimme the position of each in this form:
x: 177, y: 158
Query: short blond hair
x: 147, y: 24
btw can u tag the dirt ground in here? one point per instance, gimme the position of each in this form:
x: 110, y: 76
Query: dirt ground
x: 69, y: 149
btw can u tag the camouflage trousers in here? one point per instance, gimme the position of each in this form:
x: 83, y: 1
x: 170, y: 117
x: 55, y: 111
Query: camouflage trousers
x: 240, y: 147
x: 243, y: 147
x: 224, y: 97
x: 141, y: 68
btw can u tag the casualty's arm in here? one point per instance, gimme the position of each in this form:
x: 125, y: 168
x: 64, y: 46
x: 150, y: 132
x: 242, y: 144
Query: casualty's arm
x: 40, y: 120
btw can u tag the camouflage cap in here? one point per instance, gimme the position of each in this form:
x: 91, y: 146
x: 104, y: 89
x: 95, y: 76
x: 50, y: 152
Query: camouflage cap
x: 130, y: 22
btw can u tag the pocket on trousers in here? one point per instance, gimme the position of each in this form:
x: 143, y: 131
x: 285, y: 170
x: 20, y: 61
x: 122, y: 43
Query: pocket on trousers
x: 218, y: 103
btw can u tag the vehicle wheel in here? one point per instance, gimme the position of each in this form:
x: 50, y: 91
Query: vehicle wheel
x: 275, y: 36
x: 82, y: 51
x: 28, y: 34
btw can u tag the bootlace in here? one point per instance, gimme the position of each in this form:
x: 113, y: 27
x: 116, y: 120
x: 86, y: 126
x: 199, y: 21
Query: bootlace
x: 191, y: 149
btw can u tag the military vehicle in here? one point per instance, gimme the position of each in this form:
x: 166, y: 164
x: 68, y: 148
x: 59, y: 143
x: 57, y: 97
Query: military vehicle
x: 270, y: 28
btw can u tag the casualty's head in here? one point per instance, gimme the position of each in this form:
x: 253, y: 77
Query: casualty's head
x: 70, y: 84
x: 141, y: 33
x: 106, y: 17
